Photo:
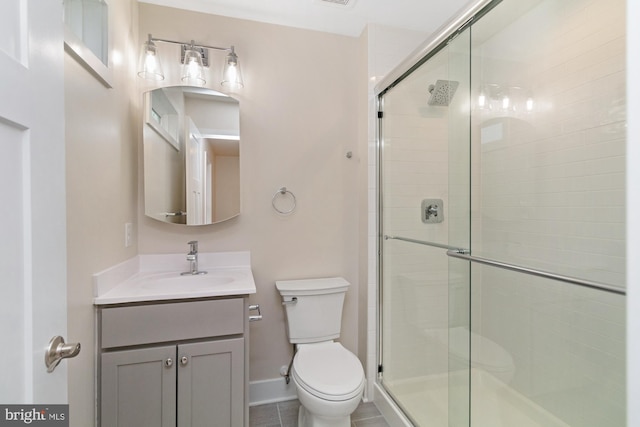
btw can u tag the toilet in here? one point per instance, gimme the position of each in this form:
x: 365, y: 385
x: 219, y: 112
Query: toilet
x: 329, y: 379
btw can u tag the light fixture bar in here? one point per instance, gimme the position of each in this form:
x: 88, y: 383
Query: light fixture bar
x: 154, y: 39
x: 204, y: 53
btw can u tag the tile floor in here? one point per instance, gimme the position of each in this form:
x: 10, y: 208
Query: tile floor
x: 285, y: 414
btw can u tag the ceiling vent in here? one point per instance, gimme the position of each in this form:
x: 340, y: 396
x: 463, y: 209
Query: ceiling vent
x: 341, y: 3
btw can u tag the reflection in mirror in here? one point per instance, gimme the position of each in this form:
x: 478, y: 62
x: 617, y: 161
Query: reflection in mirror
x: 191, y: 147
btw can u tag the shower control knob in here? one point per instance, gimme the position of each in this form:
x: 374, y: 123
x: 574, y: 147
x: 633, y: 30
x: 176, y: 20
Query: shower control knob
x: 432, y: 211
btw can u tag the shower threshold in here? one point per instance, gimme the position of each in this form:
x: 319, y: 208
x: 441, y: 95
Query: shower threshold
x: 426, y: 400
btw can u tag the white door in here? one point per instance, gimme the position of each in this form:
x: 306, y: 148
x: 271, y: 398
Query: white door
x: 194, y: 166
x: 32, y: 200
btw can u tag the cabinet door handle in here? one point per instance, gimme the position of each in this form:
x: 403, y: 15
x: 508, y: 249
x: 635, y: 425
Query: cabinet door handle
x: 168, y: 363
x: 184, y: 360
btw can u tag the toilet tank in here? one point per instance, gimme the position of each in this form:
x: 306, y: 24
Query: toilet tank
x: 313, y: 308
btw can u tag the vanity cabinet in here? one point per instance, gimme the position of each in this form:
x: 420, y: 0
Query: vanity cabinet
x: 174, y: 364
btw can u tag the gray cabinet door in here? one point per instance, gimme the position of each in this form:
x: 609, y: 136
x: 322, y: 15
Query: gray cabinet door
x: 139, y: 388
x: 211, y: 384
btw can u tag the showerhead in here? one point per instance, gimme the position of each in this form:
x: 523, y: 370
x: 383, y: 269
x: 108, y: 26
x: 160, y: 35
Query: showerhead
x: 442, y: 92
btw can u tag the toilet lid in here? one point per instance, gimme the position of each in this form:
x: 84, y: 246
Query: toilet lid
x: 328, y: 370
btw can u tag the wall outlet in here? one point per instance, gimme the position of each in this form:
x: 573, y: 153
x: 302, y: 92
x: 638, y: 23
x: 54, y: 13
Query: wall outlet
x: 128, y: 234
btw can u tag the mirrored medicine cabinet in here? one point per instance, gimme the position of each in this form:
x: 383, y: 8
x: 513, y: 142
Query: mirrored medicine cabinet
x: 191, y: 152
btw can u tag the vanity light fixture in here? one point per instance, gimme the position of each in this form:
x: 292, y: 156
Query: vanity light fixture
x: 149, y: 65
x: 192, y: 66
x: 231, y: 74
x: 194, y: 58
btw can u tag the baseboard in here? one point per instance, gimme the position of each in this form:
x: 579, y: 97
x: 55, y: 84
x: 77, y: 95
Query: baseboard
x: 270, y: 391
x: 277, y: 390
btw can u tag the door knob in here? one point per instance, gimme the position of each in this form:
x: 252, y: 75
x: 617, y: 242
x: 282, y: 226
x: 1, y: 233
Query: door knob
x: 58, y: 350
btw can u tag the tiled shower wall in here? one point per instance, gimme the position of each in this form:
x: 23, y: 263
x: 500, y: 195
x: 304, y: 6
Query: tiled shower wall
x: 551, y: 181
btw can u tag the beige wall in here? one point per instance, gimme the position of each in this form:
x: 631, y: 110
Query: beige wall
x: 101, y: 189
x: 297, y: 121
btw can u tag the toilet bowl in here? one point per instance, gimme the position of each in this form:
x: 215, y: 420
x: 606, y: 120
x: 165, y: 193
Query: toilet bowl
x: 329, y: 379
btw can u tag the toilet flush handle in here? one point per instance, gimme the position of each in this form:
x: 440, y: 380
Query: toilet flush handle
x: 293, y: 300
x: 255, y: 307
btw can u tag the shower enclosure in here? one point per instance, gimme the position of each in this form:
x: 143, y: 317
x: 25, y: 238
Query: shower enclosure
x: 501, y: 219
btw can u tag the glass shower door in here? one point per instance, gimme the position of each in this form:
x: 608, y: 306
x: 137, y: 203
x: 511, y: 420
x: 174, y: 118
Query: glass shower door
x: 548, y: 144
x: 502, y: 216
x: 417, y: 213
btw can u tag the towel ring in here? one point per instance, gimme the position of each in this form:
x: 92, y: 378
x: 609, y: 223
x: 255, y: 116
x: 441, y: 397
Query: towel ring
x: 283, y: 192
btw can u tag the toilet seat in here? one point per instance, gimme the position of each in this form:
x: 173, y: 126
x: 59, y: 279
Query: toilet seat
x: 328, y: 371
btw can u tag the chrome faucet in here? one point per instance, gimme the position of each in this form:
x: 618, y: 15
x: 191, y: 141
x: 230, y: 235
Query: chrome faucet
x: 192, y: 257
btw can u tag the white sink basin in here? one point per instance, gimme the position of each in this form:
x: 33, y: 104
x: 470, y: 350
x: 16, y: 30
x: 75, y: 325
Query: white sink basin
x: 149, y: 285
x: 175, y: 281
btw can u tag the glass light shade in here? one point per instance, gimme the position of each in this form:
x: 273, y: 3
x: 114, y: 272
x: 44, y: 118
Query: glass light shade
x: 193, y: 70
x: 231, y: 73
x: 149, y: 66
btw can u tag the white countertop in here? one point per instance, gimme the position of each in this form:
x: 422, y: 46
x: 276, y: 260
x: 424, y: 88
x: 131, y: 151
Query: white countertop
x: 158, y: 278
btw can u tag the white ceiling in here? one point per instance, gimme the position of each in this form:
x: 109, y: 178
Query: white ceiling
x: 421, y: 15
